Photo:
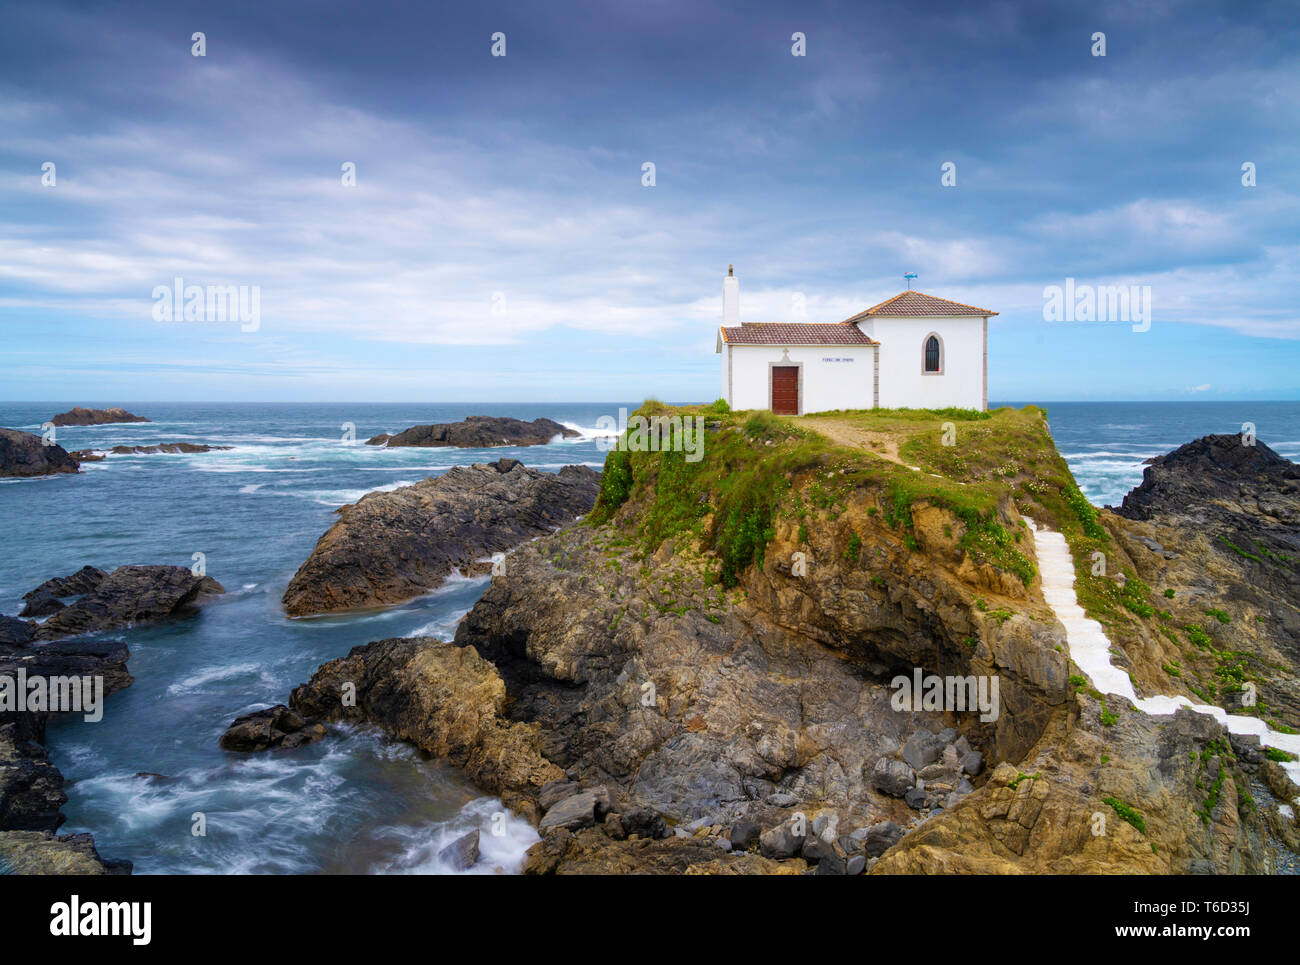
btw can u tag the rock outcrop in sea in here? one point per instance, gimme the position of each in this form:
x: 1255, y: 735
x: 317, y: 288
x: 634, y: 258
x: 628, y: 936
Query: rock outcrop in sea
x: 128, y: 596
x: 478, y: 432
x: 391, y: 546
x: 54, y: 653
x: 24, y: 454
x: 712, y: 674
x: 78, y: 416
x: 97, y: 455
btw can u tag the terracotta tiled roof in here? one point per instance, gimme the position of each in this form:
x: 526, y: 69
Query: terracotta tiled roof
x: 914, y: 304
x: 793, y: 333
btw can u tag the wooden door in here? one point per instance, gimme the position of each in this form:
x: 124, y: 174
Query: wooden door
x: 785, y: 389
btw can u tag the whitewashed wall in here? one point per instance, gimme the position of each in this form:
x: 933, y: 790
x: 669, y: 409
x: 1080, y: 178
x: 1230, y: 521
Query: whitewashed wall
x: 902, y: 342
x: 845, y: 384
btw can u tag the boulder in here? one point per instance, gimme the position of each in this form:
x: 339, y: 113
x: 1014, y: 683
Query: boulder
x: 571, y: 813
x: 556, y: 791
x: 881, y: 837
x: 892, y: 777
x: 276, y: 726
x: 781, y: 841
x: 844, y: 856
x: 744, y: 835
x: 461, y: 854
x: 922, y: 748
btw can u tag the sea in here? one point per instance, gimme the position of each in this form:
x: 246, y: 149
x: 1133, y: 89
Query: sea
x: 150, y: 774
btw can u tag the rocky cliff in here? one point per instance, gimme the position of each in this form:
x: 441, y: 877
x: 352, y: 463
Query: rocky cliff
x: 1208, y: 549
x: 711, y: 667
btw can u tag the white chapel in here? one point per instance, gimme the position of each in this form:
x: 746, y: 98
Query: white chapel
x: 911, y: 351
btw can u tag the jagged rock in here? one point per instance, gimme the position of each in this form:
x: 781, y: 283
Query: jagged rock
x: 972, y: 763
x: 15, y: 632
x: 23, y: 454
x: 461, y: 854
x: 922, y: 749
x: 31, y: 787
x: 571, y: 813
x: 392, y: 546
x: 881, y: 837
x: 77, y: 416
x: 83, y: 581
x: 276, y: 726
x: 554, y: 792
x: 892, y: 777
x: 132, y: 595
x: 478, y: 432
x: 40, y: 605
x: 447, y: 700
x: 782, y: 799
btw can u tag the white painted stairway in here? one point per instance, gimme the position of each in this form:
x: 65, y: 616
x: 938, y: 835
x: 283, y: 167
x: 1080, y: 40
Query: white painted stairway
x: 1090, y: 650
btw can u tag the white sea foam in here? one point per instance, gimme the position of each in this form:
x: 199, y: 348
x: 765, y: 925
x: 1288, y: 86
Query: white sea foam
x: 589, y: 432
x: 198, y: 680
x: 498, y: 852
x: 1090, y: 649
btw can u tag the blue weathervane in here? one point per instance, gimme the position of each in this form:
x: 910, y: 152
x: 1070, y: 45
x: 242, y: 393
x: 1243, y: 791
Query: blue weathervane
x: 909, y: 276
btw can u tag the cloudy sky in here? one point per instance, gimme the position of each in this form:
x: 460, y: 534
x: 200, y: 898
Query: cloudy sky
x: 500, y: 244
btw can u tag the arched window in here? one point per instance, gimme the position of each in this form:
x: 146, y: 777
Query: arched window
x: 933, y: 356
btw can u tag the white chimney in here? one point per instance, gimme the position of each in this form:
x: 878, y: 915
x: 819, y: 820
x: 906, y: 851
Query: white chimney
x: 730, y: 298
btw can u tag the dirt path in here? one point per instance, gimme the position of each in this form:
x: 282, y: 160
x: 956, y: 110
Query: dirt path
x: 877, y: 443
